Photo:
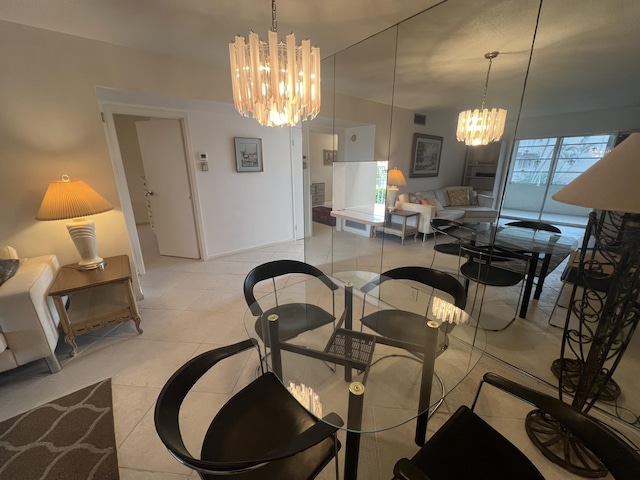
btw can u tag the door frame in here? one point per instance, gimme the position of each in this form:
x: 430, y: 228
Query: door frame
x: 108, y: 109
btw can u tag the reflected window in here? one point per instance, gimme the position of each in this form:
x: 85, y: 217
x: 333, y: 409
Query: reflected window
x: 559, y: 160
x: 381, y: 182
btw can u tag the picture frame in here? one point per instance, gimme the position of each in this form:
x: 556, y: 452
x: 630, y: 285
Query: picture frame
x: 248, y: 154
x: 425, y: 155
x: 329, y: 156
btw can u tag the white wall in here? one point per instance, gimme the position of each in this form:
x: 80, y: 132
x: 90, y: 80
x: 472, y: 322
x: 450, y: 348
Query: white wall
x: 321, y: 173
x: 50, y: 124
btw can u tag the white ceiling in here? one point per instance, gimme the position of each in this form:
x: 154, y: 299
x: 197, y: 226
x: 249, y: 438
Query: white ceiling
x: 586, y: 57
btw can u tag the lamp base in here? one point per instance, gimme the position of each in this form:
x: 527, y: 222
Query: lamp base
x: 83, y: 234
x: 392, y: 195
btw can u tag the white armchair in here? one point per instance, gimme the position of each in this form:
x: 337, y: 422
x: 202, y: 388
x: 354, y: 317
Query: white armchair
x: 28, y: 320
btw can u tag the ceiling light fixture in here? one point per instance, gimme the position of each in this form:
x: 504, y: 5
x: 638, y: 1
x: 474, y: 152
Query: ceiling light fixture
x: 277, y: 83
x: 480, y: 127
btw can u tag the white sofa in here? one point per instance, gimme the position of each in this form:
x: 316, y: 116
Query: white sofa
x: 438, y: 204
x: 28, y: 319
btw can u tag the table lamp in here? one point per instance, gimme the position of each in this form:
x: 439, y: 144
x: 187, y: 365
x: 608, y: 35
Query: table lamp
x: 74, y: 199
x: 593, y: 348
x: 395, y: 178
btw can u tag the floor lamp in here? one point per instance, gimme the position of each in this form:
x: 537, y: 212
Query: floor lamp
x: 593, y: 347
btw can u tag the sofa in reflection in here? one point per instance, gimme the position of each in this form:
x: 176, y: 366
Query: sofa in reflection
x: 460, y: 203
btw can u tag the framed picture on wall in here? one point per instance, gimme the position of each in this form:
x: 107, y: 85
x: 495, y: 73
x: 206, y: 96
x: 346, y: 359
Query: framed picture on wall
x: 425, y: 155
x: 248, y: 154
x: 329, y: 156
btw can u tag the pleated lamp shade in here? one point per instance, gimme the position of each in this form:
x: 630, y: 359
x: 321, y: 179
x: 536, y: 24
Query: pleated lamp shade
x: 71, y: 199
x: 396, y: 178
x: 611, y: 183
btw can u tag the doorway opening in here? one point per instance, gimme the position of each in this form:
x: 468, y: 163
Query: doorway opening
x: 154, y: 177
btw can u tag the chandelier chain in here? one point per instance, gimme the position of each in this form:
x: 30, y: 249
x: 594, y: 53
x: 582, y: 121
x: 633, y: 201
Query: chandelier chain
x: 486, y: 83
x: 274, y: 22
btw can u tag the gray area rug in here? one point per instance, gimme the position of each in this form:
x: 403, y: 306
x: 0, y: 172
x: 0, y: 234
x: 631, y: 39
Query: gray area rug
x: 69, y: 438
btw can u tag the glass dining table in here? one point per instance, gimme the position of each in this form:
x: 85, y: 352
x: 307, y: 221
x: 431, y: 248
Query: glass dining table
x: 536, y: 244
x: 372, y: 382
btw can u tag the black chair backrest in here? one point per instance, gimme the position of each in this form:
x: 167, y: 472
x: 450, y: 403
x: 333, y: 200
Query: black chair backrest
x: 620, y: 458
x: 535, y: 226
x: 427, y: 276
x: 173, y: 394
x: 275, y: 269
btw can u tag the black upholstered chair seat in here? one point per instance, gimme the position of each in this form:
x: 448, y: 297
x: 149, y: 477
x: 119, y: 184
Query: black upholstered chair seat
x: 262, y: 432
x: 490, y: 275
x: 231, y: 435
x: 295, y: 318
x: 467, y: 447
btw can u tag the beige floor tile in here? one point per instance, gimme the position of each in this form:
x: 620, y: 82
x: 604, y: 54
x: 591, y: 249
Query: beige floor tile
x: 193, y: 306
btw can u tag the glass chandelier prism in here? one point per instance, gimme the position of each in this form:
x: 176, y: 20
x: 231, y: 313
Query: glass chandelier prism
x: 276, y: 83
x: 482, y: 126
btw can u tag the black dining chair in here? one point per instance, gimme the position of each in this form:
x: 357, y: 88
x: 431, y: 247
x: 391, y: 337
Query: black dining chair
x: 480, y: 267
x: 409, y: 327
x: 448, y: 228
x: 543, y: 270
x: 295, y: 318
x: 468, y: 447
x: 261, y: 432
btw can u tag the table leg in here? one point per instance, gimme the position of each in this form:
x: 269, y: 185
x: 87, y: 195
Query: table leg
x: 274, y: 342
x: 428, y: 366
x: 348, y: 325
x: 69, y: 336
x: 354, y: 424
x: 133, y: 305
x: 543, y: 273
x: 528, y: 286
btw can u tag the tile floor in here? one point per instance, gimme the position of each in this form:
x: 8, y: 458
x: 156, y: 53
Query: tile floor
x: 192, y: 306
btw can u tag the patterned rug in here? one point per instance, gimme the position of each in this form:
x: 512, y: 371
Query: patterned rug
x: 69, y: 438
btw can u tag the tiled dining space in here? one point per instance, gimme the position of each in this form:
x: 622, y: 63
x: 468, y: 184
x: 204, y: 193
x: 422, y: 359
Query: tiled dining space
x: 193, y: 306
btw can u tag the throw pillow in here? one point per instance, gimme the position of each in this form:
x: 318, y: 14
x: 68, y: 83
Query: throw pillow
x: 403, y: 197
x: 433, y: 200
x: 458, y: 197
x: 424, y: 201
x: 412, y: 198
x: 8, y: 268
x: 7, y: 251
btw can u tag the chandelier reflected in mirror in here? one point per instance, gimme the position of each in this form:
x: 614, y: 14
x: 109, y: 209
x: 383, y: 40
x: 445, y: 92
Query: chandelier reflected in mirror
x: 482, y: 126
x: 276, y: 83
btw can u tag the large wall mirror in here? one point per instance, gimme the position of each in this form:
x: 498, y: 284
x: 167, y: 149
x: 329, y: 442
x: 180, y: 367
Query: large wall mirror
x: 563, y: 71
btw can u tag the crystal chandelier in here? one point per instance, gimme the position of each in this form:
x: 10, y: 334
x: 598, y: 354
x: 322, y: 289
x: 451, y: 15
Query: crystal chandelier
x: 480, y: 127
x: 277, y: 83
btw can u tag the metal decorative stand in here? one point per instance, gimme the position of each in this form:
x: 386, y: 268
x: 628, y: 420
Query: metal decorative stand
x: 592, y: 348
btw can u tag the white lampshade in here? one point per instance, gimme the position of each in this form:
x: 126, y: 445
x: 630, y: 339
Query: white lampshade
x: 611, y: 183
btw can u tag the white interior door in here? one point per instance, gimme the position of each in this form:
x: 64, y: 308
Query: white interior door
x: 165, y: 168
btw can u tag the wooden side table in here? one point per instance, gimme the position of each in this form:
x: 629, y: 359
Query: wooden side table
x: 98, y: 298
x: 396, y: 224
